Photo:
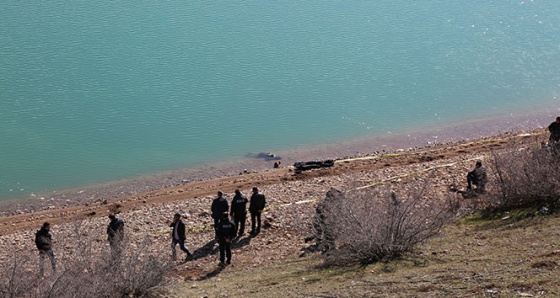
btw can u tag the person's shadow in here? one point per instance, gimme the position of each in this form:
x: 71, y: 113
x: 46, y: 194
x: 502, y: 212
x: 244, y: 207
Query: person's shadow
x: 211, y: 274
x: 209, y: 248
x: 240, y: 242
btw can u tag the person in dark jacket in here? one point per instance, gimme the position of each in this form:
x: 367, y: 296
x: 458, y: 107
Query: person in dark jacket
x: 226, y: 232
x: 179, y: 235
x: 239, y: 211
x: 115, y: 235
x: 43, y: 241
x: 477, y: 177
x: 256, y: 207
x: 219, y: 206
x: 554, y: 129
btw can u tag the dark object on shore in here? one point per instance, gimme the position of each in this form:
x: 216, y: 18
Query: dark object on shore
x: 469, y: 193
x: 309, y: 165
x: 265, y: 155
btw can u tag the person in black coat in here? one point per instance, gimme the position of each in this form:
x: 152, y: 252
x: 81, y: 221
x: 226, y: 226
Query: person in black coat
x: 43, y: 241
x: 477, y: 177
x: 239, y: 211
x: 256, y: 207
x: 554, y: 129
x: 178, y: 236
x: 219, y: 206
x: 115, y: 235
x: 226, y: 233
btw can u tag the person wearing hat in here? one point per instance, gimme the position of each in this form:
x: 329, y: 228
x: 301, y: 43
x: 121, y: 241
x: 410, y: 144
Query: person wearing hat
x: 178, y: 236
x: 226, y: 232
x: 256, y: 207
x: 219, y: 206
x: 115, y: 234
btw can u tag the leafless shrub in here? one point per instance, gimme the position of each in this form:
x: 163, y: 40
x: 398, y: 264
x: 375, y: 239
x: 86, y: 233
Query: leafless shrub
x: 138, y: 272
x: 371, y: 225
x: 87, y: 271
x: 15, y: 281
x: 133, y: 275
x: 527, y: 177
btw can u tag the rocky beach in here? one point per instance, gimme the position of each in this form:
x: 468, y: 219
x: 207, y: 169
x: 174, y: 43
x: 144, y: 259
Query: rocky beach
x: 151, y: 110
x: 291, y: 201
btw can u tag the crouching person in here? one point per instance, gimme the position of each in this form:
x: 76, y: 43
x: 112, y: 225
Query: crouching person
x: 478, y: 178
x: 43, y: 240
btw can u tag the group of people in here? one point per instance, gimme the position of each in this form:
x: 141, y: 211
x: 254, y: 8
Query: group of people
x: 226, y: 230
x: 478, y: 176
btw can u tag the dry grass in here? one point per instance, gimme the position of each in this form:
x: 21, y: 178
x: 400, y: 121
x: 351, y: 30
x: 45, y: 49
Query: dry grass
x: 471, y: 258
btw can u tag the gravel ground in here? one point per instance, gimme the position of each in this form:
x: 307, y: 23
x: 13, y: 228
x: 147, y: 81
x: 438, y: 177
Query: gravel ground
x: 291, y: 203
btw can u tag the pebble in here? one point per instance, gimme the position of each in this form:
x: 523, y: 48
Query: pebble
x: 151, y: 219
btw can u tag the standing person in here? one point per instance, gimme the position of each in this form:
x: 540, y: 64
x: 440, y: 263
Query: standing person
x: 179, y: 235
x: 219, y: 206
x: 226, y: 232
x: 256, y: 207
x: 477, y: 177
x: 43, y: 240
x: 239, y: 212
x: 554, y: 129
x: 115, y: 235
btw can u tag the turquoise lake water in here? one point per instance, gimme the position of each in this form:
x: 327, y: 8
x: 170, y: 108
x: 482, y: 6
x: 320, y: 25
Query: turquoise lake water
x: 95, y: 91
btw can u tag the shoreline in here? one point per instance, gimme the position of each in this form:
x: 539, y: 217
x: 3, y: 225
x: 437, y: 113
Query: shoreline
x: 360, y: 147
x: 291, y: 201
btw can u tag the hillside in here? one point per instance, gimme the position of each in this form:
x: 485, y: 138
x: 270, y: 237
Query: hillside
x: 469, y: 258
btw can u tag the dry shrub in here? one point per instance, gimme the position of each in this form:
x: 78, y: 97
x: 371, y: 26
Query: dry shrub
x: 16, y: 281
x: 371, y: 225
x: 527, y: 177
x: 84, y: 272
x: 130, y: 274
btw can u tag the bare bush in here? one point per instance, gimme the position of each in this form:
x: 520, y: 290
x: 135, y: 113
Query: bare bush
x: 15, y: 281
x: 133, y: 275
x: 371, y: 225
x: 87, y: 270
x: 527, y: 177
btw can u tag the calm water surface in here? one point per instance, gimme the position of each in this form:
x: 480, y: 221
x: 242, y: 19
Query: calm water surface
x: 94, y: 91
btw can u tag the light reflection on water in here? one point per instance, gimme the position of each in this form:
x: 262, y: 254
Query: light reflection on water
x: 103, y: 91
